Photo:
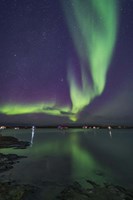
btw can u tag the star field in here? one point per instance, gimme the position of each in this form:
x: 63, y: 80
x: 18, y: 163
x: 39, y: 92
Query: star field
x: 46, y: 62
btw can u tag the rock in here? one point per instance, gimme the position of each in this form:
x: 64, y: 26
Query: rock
x: 92, y: 183
x: 77, y: 187
x: 9, y: 141
x: 7, y: 161
x: 12, y: 191
x: 8, y: 138
x: 108, y: 191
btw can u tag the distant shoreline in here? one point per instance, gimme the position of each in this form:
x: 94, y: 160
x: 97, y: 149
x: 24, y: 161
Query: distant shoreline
x: 65, y: 127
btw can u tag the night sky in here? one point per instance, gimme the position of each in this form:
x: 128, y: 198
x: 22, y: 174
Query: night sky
x: 66, y: 61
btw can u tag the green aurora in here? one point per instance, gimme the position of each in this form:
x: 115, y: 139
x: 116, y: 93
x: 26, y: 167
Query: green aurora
x: 94, y: 42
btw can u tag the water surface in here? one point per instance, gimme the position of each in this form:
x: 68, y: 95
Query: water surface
x: 58, y: 157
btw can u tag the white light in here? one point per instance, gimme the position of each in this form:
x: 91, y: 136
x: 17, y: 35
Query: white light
x: 32, y: 136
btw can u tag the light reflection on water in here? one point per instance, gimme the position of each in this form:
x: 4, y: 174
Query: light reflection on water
x: 64, y: 156
x: 32, y: 135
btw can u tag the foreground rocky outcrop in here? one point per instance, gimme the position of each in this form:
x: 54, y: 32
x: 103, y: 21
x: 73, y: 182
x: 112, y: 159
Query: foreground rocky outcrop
x: 13, y: 191
x: 96, y: 192
x: 9, y: 141
x: 8, y: 160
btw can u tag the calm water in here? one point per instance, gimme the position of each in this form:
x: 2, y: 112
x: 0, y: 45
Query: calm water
x: 59, y: 157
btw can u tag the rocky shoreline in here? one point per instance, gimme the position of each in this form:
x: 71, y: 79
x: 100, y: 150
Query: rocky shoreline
x: 12, y: 142
x: 8, y: 160
x: 95, y: 192
x: 13, y: 191
x: 10, y: 190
